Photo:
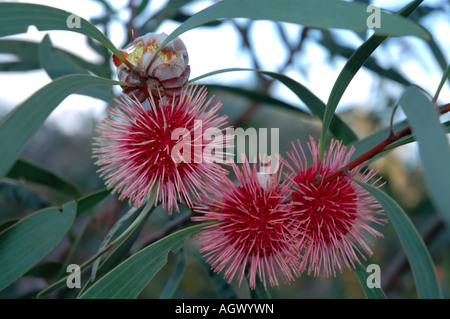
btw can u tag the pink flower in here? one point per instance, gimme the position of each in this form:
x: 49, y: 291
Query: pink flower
x: 254, y: 227
x: 335, y: 217
x: 138, y: 148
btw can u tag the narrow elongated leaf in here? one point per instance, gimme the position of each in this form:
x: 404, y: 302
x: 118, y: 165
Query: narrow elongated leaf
x: 255, y: 96
x: 169, y: 11
x: 129, y: 278
x: 367, y: 143
x: 8, y: 223
x: 19, y: 126
x: 24, y: 170
x: 84, y: 204
x: 440, y: 57
x: 24, y: 52
x: 122, y: 249
x: 25, y: 243
x: 56, y: 63
x: 17, y: 17
x: 259, y: 292
x: 223, y: 288
x: 322, y: 14
x: 354, y: 63
x: 371, y: 63
x: 46, y: 270
x: 123, y: 238
x: 87, y: 202
x: 174, y: 280
x: 338, y: 127
x: 27, y: 53
x: 415, y: 249
x: 139, y: 9
x: 434, y: 148
x: 22, y: 196
x: 109, y: 236
x: 444, y: 79
x: 411, y: 138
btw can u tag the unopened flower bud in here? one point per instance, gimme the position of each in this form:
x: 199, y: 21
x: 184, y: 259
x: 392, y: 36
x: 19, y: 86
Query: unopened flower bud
x: 165, y: 74
x: 266, y: 180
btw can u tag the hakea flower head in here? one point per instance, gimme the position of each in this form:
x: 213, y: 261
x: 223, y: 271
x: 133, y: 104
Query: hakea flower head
x: 254, y: 233
x: 335, y: 216
x: 139, y: 148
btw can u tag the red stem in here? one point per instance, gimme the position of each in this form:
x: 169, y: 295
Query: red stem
x: 374, y: 151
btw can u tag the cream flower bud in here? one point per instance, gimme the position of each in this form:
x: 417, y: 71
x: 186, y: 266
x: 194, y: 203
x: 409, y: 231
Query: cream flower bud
x: 165, y: 74
x: 266, y: 180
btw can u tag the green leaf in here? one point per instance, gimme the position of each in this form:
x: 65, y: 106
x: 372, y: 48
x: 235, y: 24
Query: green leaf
x: 19, y: 126
x: 362, y: 274
x: 57, y: 63
x: 8, y: 223
x: 84, y: 204
x: 169, y: 11
x: 410, y: 138
x: 367, y: 143
x: 444, y: 78
x: 254, y: 95
x: 30, y: 172
x: 75, y: 237
x: 139, y: 9
x: 25, y: 243
x: 21, y: 196
x: 223, y: 287
x: 129, y: 278
x: 371, y: 63
x: 17, y: 17
x: 119, y: 252
x: 338, y: 127
x: 46, y: 270
x: 28, y: 54
x: 172, y: 284
x: 87, y: 202
x: 130, y: 227
x: 415, y: 249
x: 354, y: 63
x: 434, y: 148
x: 123, y: 238
x: 440, y: 57
x: 323, y: 14
x: 124, y: 220
x: 259, y: 292
x: 25, y: 52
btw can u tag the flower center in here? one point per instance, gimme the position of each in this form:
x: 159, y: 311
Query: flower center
x: 152, y: 145
x: 255, y: 224
x: 327, y: 211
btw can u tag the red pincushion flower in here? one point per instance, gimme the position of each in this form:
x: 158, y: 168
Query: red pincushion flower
x: 335, y: 216
x: 254, y: 226
x: 136, y: 148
